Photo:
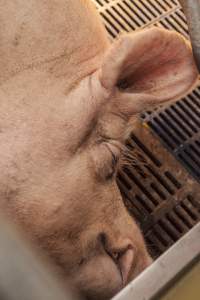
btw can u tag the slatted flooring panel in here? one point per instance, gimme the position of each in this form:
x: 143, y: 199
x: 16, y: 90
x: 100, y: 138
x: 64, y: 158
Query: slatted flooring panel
x: 157, y: 190
x: 178, y: 124
x: 160, y: 195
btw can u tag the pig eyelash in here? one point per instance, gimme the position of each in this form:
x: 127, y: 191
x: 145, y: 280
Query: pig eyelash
x: 123, y: 159
x: 133, y: 158
x: 126, y: 157
x: 115, y: 160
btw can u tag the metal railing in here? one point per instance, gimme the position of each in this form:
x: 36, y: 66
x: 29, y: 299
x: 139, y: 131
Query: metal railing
x: 23, y: 273
x: 165, y: 271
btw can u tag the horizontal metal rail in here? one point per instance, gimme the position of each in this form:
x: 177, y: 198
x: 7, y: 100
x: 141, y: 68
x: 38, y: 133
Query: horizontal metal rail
x: 165, y: 271
x: 192, y: 12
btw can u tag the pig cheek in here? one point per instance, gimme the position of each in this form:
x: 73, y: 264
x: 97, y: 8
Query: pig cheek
x: 99, y: 278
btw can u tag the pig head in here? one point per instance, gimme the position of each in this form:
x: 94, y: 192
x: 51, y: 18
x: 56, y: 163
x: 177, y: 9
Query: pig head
x: 66, y: 97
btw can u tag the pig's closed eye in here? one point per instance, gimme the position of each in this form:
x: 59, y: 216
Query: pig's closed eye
x: 112, y: 167
x: 105, y: 158
x: 112, y: 162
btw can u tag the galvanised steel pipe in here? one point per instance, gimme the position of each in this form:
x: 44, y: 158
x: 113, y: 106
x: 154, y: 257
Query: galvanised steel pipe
x: 192, y: 12
x: 23, y: 274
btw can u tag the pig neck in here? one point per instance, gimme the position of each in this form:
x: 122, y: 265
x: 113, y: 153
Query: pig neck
x: 65, y: 39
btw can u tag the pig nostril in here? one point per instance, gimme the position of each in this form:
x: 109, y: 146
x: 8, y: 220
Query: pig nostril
x: 125, y: 263
x: 123, y: 257
x: 124, y: 260
x: 115, y: 255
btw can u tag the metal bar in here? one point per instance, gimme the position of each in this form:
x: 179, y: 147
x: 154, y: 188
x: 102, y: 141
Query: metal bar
x: 23, y: 274
x: 165, y: 270
x: 192, y: 12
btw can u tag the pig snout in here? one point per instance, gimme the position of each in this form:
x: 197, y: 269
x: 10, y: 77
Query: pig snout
x: 116, y: 258
x: 123, y: 257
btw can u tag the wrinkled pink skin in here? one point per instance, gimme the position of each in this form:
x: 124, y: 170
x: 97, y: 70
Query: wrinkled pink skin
x: 63, y: 119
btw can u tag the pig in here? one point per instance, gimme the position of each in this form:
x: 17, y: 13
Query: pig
x: 67, y: 95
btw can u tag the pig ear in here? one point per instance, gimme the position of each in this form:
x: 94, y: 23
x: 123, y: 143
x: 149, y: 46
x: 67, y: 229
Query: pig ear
x: 149, y: 67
